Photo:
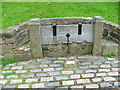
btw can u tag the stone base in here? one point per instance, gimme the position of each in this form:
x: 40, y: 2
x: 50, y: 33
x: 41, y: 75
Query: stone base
x: 109, y: 47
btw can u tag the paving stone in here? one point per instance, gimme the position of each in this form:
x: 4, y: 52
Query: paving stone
x: 83, y: 81
x: 48, y: 69
x: 38, y: 85
x: 69, y: 82
x: 115, y: 69
x: 85, y: 63
x: 103, y: 85
x: 31, y: 80
x: 96, y: 79
x: 117, y: 83
x: 102, y: 59
x: 6, y: 68
x: 113, y: 74
x: 111, y: 58
x: 116, y: 62
x: 46, y: 62
x: 12, y: 76
x: 35, y: 70
x: 24, y: 86
x: 16, y: 81
x: 108, y: 62
x: 52, y: 59
x: 9, y: 86
x: 83, y: 67
x: 93, y: 66
x: 70, y: 62
x: 105, y: 66
x: 98, y: 63
x: 3, y: 82
x: 11, y: 64
x: 115, y: 65
x: 103, y: 70
x: 59, y: 68
x: 59, y: 61
x: 6, y: 71
x: 101, y: 74
x: 76, y: 76
x: 45, y: 79
x: 44, y: 65
x: 54, y: 73
x: 23, y: 63
x: 75, y: 87
x: 78, y: 71
x: 1, y: 76
x: 17, y: 67
x: 27, y: 75
x: 55, y: 65
x: 41, y: 74
x: 67, y: 72
x: 81, y: 60
x: 87, y: 75
x: 53, y: 84
x: 61, y: 78
x: 30, y: 66
x: 109, y: 79
x: 70, y: 58
x: 21, y: 71
x: 62, y: 58
x: 91, y: 71
x: 92, y: 86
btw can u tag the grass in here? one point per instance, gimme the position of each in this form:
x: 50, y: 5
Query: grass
x: 17, y: 12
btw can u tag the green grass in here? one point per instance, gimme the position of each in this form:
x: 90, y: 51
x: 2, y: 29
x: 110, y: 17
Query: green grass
x: 17, y: 12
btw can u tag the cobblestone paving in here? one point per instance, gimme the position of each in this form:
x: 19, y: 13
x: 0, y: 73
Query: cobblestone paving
x: 68, y: 72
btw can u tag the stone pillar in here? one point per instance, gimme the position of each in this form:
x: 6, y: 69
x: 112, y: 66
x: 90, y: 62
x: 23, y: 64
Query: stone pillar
x: 97, y: 35
x: 35, y: 38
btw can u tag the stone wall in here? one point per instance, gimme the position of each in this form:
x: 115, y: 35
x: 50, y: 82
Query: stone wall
x: 18, y: 35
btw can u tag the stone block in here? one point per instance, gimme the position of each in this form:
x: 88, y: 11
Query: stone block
x: 12, y: 76
x: 27, y: 76
x: 46, y: 79
x: 67, y: 72
x: 87, y: 75
x: 54, y: 73
x: 38, y: 85
x: 83, y: 81
x: 3, y: 82
x: 41, y: 74
x: 101, y: 74
x: 76, y: 76
x: 48, y: 69
x: 16, y: 81
x: 109, y: 48
x: 31, y: 80
x: 9, y: 86
x: 103, y: 85
x: 61, y: 77
x: 24, y: 86
x: 21, y: 71
x: 69, y: 82
x: 109, y: 79
x: 92, y: 86
x: 53, y: 84
x: 96, y: 79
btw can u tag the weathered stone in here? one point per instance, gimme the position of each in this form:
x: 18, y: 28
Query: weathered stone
x: 24, y: 86
x: 103, y: 85
x: 35, y: 38
x: 1, y: 76
x: 46, y: 62
x: 52, y: 59
x: 31, y: 80
x: 109, y: 79
x: 67, y: 72
x: 101, y: 74
x: 23, y: 63
x: 41, y: 74
x: 97, y: 63
x: 93, y: 66
x: 105, y: 66
x: 76, y: 76
x: 16, y: 81
x: 38, y: 85
x: 85, y: 63
x: 75, y: 87
x: 54, y: 73
x: 78, y: 71
x: 17, y: 67
x: 96, y: 79
x: 115, y: 69
x: 6, y: 68
x: 83, y: 67
x: 6, y: 71
x: 30, y: 66
x: 61, y: 77
x: 46, y: 79
x: 53, y: 84
x: 97, y: 36
x: 21, y: 71
x: 69, y: 82
x: 92, y: 86
x: 87, y: 75
x: 48, y: 69
x: 111, y: 59
x: 83, y: 81
x: 44, y: 65
x: 55, y: 65
x: 59, y: 61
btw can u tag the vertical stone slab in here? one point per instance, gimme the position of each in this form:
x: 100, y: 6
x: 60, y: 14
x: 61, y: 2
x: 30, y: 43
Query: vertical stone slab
x: 35, y: 38
x: 97, y: 36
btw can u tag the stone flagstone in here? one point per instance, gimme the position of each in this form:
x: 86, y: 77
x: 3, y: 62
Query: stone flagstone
x: 69, y: 82
x: 38, y: 85
x: 16, y: 81
x: 51, y: 84
x: 76, y: 76
x: 82, y: 81
x: 3, y: 82
x: 92, y: 86
x: 24, y: 86
x: 109, y: 79
x: 46, y: 79
x: 17, y: 67
x: 31, y: 80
